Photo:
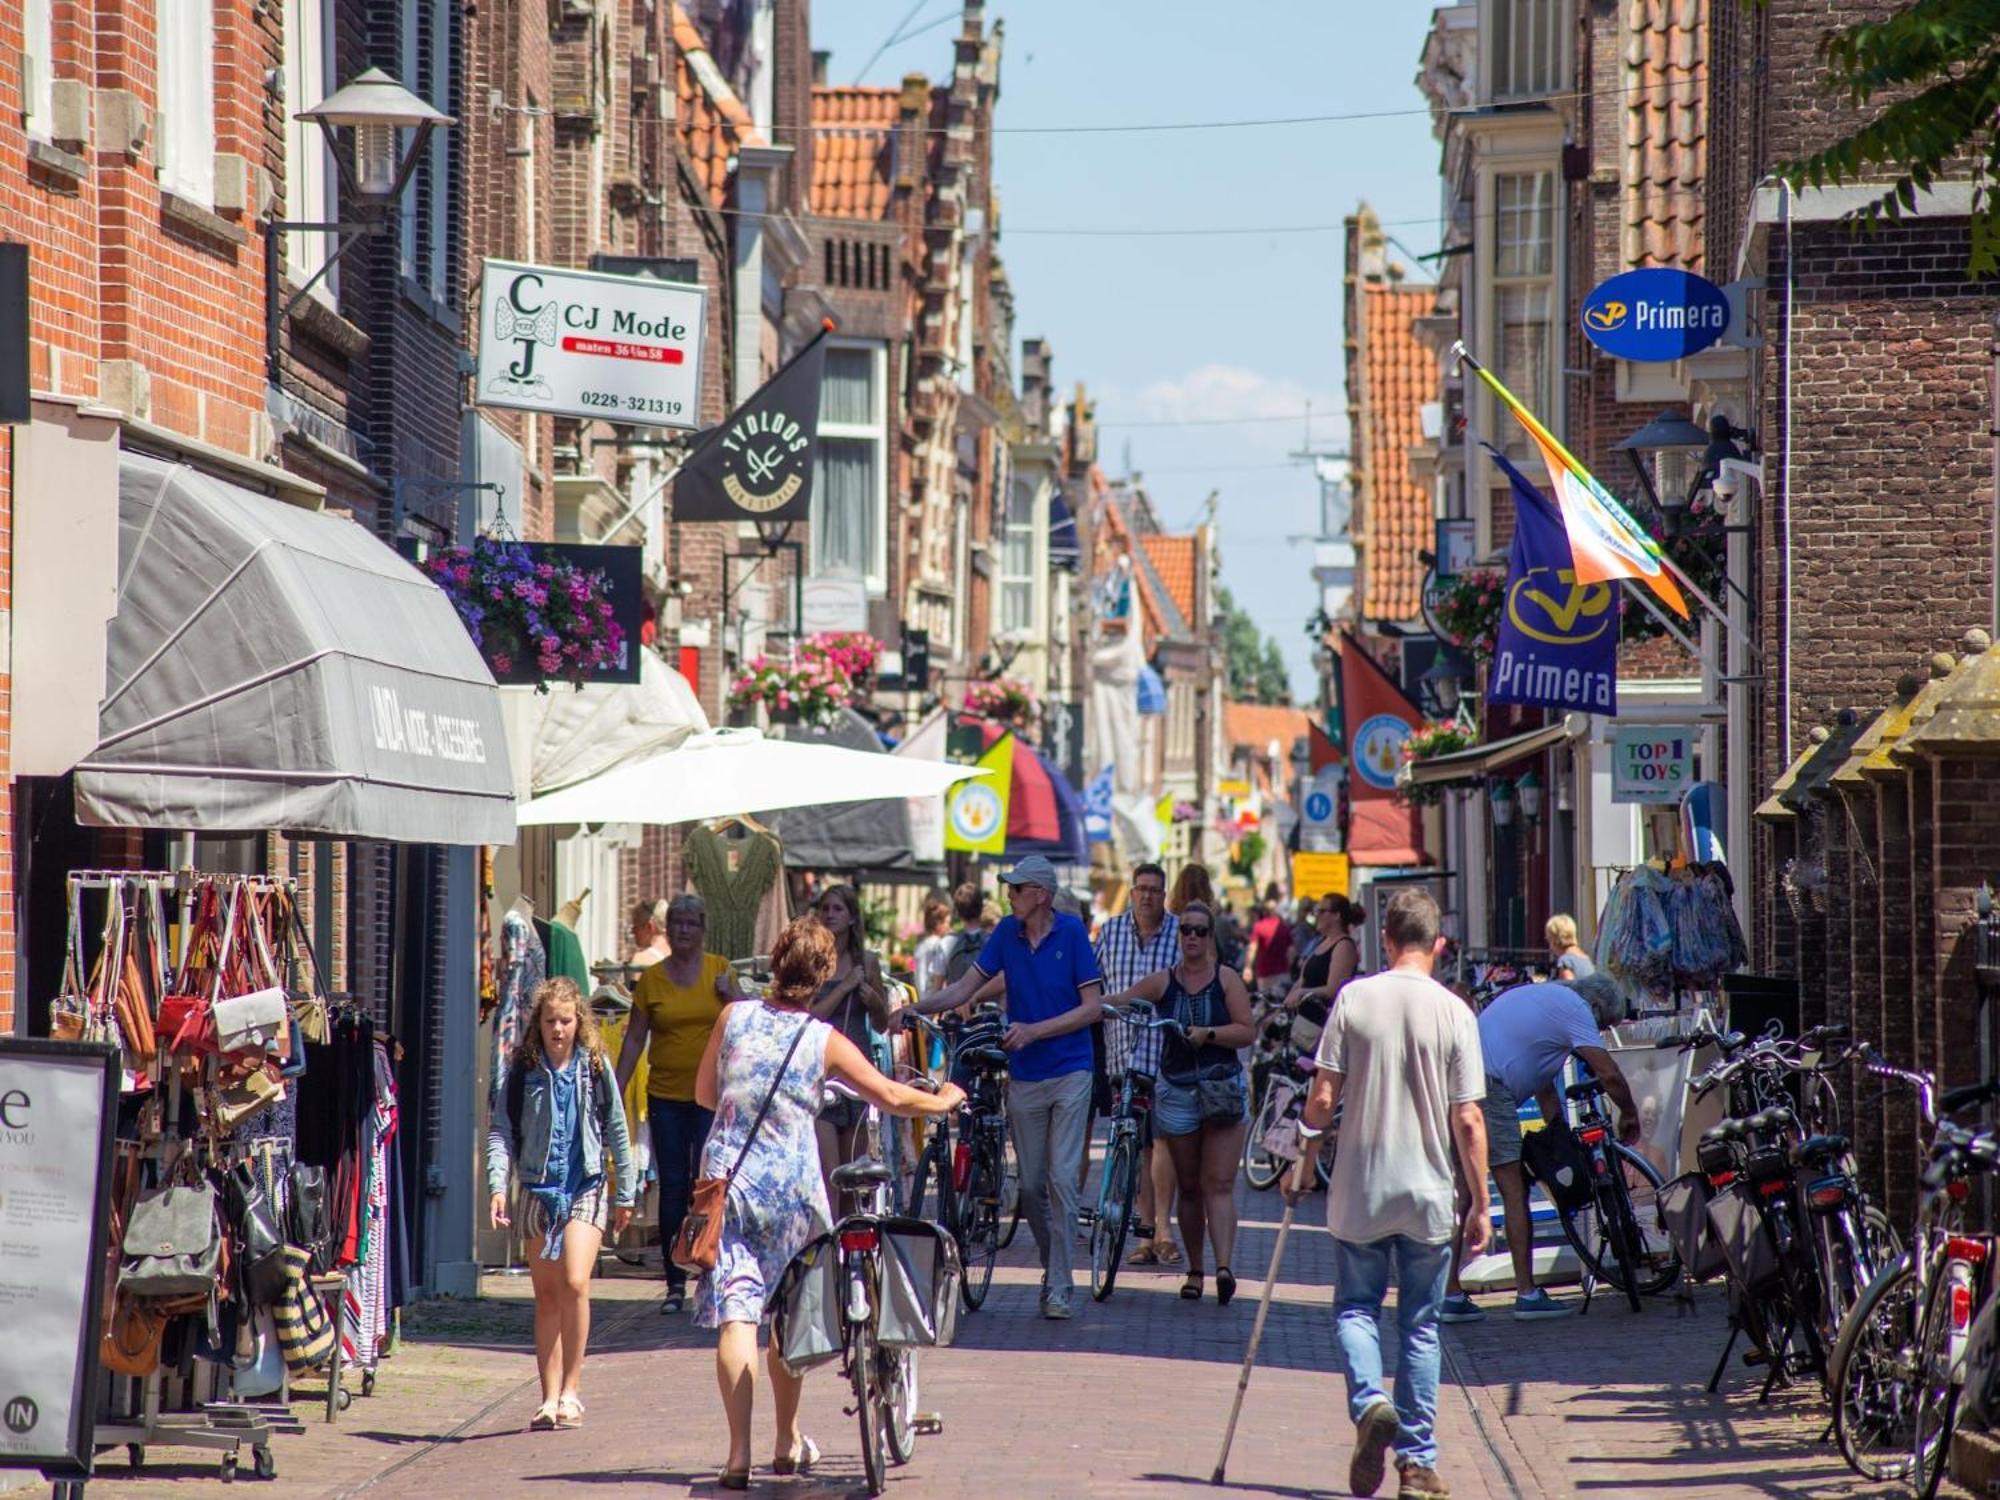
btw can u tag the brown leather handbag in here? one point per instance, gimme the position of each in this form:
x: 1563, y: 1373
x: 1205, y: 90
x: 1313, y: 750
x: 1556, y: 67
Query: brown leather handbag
x: 132, y: 1328
x: 699, y: 1242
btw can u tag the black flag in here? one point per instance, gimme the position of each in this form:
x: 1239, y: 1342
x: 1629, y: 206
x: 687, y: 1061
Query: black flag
x: 758, y: 465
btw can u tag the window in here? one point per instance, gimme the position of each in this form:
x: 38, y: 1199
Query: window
x: 1523, y: 283
x: 1526, y: 39
x: 850, y: 478
x: 424, y: 243
x: 311, y: 193
x: 187, y: 99
x: 38, y: 68
x: 1017, y: 560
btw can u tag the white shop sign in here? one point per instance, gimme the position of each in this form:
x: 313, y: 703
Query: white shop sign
x: 835, y: 600
x: 586, y: 344
x: 57, y: 1108
x: 1650, y: 763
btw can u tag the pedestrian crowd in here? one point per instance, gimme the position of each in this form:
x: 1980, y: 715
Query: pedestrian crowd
x: 746, y: 1137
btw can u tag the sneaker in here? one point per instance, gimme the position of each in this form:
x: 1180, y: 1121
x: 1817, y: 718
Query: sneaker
x: 1055, y: 1306
x: 1372, y: 1436
x: 1538, y: 1304
x: 1460, y: 1309
x: 1420, y: 1480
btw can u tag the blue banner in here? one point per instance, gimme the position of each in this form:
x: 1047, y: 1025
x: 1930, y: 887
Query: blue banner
x: 1557, y: 645
x: 1097, y: 808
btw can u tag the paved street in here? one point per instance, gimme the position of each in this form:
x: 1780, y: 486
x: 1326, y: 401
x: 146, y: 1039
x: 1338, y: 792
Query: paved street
x: 1127, y: 1400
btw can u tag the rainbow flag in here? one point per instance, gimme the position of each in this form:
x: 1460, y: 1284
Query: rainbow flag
x: 1604, y: 541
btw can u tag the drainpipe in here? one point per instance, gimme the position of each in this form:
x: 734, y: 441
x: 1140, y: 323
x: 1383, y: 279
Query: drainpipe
x: 1785, y: 464
x: 1993, y: 431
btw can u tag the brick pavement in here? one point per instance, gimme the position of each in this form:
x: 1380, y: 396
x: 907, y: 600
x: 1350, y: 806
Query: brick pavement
x: 1127, y: 1400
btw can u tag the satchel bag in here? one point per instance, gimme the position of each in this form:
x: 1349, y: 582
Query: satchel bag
x: 1554, y: 1158
x: 806, y: 1324
x: 260, y: 1247
x: 699, y: 1241
x: 306, y: 1223
x: 250, y: 1023
x: 172, y: 1244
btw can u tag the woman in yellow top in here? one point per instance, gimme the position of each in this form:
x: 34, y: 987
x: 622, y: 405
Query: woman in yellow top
x: 675, y: 1005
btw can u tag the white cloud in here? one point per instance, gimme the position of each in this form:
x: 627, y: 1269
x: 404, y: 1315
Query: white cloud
x: 1220, y: 396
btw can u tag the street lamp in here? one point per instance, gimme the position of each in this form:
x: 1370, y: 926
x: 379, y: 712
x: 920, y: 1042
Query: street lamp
x: 1667, y: 440
x: 1444, y: 680
x: 1500, y: 798
x: 375, y: 107
x: 1530, y: 789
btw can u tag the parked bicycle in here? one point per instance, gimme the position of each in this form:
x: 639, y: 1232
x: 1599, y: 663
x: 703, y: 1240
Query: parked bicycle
x: 1118, y: 1186
x: 1605, y: 1229
x: 1281, y: 1073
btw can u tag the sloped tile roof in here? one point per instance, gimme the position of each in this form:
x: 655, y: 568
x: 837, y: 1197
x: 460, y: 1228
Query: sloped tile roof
x: 1173, y: 560
x: 853, y: 151
x: 1666, y: 132
x: 1152, y: 608
x: 1254, y: 725
x: 710, y: 118
x: 1400, y: 374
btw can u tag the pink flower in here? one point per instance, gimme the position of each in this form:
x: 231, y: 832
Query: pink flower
x: 784, y: 699
x: 502, y: 662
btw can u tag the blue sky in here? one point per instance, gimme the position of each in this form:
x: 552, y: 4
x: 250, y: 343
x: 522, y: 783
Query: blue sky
x: 1176, y: 329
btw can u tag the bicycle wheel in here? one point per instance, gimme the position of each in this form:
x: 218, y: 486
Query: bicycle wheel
x: 867, y: 1377
x: 898, y: 1374
x: 1114, y: 1217
x: 1935, y: 1408
x: 1868, y: 1377
x: 979, y: 1235
x: 1009, y: 1216
x: 1260, y: 1168
x: 1649, y: 1250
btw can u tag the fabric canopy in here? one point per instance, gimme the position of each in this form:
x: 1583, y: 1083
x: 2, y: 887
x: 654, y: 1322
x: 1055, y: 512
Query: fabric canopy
x: 276, y: 668
x: 848, y: 835
x: 1478, y: 760
x: 727, y: 771
x: 583, y: 733
x: 1044, y: 813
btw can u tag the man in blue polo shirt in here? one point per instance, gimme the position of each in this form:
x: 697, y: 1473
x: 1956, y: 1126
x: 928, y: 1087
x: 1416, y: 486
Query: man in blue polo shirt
x: 1054, y: 993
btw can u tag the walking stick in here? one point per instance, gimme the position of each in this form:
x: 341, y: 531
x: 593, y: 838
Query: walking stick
x: 1303, y: 1166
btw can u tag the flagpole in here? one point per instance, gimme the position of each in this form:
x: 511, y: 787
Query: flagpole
x: 1533, y: 424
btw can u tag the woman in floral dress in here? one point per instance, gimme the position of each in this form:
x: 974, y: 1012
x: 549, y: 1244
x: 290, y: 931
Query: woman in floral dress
x: 777, y: 1201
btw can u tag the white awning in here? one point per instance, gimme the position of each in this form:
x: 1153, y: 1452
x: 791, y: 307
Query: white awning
x: 276, y: 668
x: 727, y: 771
x: 581, y: 733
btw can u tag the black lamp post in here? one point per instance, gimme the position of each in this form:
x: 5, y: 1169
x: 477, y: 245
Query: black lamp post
x: 1663, y: 446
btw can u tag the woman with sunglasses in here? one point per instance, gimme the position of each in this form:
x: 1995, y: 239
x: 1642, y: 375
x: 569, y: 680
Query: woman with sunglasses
x: 1201, y: 1095
x: 675, y: 1005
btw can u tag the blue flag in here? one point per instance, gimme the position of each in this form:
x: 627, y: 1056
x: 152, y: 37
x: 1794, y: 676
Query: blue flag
x: 1097, y: 808
x: 1557, y: 645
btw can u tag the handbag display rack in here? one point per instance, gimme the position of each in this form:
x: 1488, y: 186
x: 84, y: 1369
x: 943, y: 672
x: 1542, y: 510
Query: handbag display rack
x: 185, y: 983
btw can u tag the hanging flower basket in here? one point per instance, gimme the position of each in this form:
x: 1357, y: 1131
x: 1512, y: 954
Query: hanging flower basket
x: 534, y: 621
x: 851, y: 653
x: 1007, y: 700
x: 808, y: 691
x: 1441, y: 737
x: 1468, y: 606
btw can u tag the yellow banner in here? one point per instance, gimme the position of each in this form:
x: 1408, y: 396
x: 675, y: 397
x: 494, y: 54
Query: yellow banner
x: 1317, y: 874
x: 975, y: 811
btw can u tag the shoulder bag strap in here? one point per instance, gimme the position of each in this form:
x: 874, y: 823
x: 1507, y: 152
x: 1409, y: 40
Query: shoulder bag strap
x: 73, y: 967
x: 765, y: 1108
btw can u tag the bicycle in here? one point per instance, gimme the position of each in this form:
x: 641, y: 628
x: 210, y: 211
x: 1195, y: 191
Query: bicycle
x: 959, y: 1038
x: 1605, y: 1231
x: 1118, y: 1186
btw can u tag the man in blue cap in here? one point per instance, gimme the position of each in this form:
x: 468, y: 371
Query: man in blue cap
x: 1054, y: 993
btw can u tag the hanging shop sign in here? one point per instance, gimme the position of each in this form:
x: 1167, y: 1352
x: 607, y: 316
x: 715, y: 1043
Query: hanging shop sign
x: 836, y: 600
x: 758, y: 465
x: 1650, y: 763
x: 1319, y: 825
x: 585, y: 344
x: 1557, y: 642
x: 975, y: 811
x: 1655, y: 314
x: 545, y: 611
x: 58, y: 1108
x: 1457, y: 545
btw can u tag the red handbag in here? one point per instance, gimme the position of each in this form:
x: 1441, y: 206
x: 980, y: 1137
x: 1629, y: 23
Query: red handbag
x: 185, y: 1018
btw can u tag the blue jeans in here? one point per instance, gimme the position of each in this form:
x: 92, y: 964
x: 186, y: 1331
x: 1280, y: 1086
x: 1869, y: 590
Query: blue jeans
x: 680, y: 1129
x: 1361, y: 1282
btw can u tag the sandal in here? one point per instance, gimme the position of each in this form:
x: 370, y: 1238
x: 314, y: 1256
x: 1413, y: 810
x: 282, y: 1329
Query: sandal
x: 1167, y: 1253
x: 808, y: 1457
x: 544, y: 1419
x: 733, y: 1479
x: 1225, y: 1285
x: 1145, y: 1255
x: 1191, y: 1288
x: 569, y: 1411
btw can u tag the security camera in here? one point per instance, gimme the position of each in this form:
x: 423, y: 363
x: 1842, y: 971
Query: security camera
x: 1730, y: 474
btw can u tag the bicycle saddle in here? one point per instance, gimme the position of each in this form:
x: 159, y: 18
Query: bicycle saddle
x: 866, y: 1173
x: 1585, y: 1089
x: 991, y: 1058
x: 1819, y: 1149
x: 1728, y: 1130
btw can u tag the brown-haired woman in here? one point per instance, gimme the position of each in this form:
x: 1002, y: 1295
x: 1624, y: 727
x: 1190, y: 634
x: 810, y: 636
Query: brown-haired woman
x: 1333, y: 962
x: 555, y: 1113
x: 848, y: 1001
x: 774, y: 1048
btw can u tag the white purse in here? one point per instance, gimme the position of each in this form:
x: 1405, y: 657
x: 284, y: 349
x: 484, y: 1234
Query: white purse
x: 252, y: 1022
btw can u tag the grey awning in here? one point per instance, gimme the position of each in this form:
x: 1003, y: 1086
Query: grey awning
x: 1463, y: 765
x: 276, y: 668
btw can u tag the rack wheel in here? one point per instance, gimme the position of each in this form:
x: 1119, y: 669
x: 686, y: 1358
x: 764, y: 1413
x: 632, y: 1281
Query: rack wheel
x: 229, y: 1468
x: 367, y: 1382
x: 267, y: 1465
x: 135, y: 1455
x: 345, y: 1399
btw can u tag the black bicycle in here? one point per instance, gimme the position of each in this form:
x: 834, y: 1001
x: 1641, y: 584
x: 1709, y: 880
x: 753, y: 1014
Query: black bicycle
x: 1606, y: 1230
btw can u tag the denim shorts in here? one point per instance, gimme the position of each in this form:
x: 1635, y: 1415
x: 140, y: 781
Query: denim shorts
x: 1177, y: 1108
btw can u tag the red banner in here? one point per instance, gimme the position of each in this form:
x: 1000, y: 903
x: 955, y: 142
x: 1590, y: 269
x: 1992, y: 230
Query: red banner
x: 1375, y: 719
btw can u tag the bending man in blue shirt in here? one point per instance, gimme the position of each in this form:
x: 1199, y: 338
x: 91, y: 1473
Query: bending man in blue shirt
x: 1054, y: 992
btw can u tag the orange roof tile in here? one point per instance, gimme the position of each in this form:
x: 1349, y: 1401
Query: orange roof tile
x: 1665, y: 133
x: 711, y: 120
x: 1255, y: 725
x: 1399, y: 375
x: 853, y: 151
x: 1173, y: 558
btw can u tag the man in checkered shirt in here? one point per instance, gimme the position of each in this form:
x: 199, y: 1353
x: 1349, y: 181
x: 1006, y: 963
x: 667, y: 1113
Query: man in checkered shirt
x: 1143, y: 939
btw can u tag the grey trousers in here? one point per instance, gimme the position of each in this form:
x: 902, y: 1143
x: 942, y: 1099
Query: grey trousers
x: 1048, y: 1117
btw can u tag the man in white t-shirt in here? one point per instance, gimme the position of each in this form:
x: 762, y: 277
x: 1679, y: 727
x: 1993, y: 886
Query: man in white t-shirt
x: 1402, y: 1053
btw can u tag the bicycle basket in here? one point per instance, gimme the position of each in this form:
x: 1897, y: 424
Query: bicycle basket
x: 805, y: 1309
x: 920, y: 1275
x: 1684, y: 1216
x: 1738, y: 1226
x: 1555, y: 1158
x: 1281, y: 1137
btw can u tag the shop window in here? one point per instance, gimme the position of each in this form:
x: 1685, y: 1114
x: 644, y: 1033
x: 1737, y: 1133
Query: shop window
x: 1525, y: 36
x: 186, y: 126
x: 850, y: 478
x: 424, y: 216
x: 311, y: 181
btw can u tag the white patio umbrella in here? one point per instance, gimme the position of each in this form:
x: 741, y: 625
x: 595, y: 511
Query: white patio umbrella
x: 725, y: 771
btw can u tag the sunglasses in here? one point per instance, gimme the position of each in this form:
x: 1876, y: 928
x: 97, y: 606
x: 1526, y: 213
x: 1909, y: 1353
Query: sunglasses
x: 1195, y: 932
